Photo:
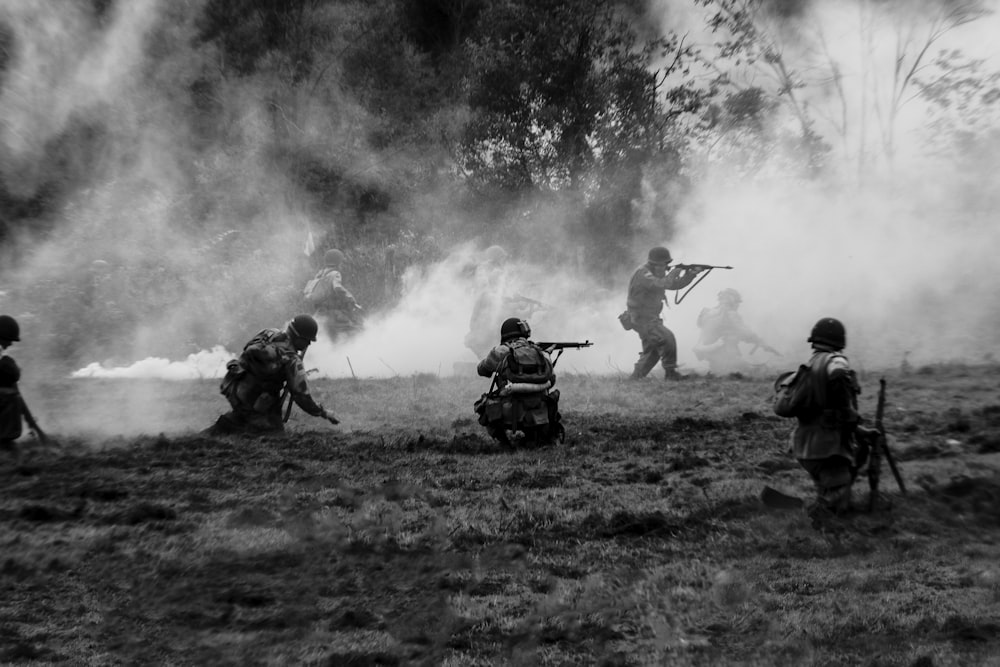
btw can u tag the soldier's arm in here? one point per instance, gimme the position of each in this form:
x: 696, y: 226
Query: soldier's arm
x: 679, y: 277
x: 842, y: 389
x: 300, y: 389
x: 491, y: 362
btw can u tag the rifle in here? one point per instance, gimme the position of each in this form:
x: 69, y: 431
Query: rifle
x: 879, y: 447
x: 522, y: 301
x: 286, y: 393
x: 32, y: 424
x: 706, y: 268
x: 550, y: 347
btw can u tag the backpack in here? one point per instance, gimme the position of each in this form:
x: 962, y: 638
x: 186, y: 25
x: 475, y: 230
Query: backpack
x: 317, y: 289
x: 527, y: 363
x: 799, y: 392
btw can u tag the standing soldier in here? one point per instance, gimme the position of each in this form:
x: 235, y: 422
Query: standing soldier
x: 330, y: 299
x: 12, y: 405
x: 269, y: 368
x: 722, y: 331
x: 646, y: 293
x: 822, y: 396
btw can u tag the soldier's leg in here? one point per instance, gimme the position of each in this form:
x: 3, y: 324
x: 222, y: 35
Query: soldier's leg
x: 667, y: 350
x: 650, y: 351
x: 832, y: 478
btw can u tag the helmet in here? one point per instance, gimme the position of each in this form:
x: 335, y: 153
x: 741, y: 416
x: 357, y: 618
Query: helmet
x: 829, y: 331
x: 304, y: 326
x: 729, y: 294
x: 9, y: 330
x: 494, y: 255
x: 660, y: 255
x: 514, y: 327
x: 333, y: 257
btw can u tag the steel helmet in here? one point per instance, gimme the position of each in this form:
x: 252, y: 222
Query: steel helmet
x: 9, y: 330
x: 660, y: 255
x: 729, y: 294
x: 514, y: 327
x: 829, y: 331
x: 333, y: 257
x: 494, y: 255
x: 304, y: 326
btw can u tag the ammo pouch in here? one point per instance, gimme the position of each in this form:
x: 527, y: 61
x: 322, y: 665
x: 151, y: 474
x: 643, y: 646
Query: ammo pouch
x: 234, y: 372
x: 489, y: 408
x: 626, y: 321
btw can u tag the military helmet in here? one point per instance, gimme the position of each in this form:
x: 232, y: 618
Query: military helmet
x: 829, y: 331
x: 9, y: 330
x: 304, y: 326
x: 333, y: 257
x: 514, y: 327
x: 660, y: 255
x: 494, y: 255
x: 729, y: 294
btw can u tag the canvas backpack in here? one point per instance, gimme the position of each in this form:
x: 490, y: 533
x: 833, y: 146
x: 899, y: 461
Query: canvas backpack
x: 317, y: 290
x: 799, y: 392
x: 527, y: 363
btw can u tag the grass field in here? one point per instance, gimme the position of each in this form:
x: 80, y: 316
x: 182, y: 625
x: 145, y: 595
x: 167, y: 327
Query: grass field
x: 405, y: 536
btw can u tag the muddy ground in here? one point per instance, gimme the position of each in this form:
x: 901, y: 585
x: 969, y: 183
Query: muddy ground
x: 405, y: 536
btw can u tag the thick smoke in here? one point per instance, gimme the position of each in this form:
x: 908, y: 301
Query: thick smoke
x: 900, y: 251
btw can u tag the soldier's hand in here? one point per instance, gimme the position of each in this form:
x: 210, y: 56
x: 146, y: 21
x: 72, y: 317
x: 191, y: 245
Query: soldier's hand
x: 330, y: 418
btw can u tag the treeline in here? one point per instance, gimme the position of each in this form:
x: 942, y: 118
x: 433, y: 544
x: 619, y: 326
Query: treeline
x: 458, y: 117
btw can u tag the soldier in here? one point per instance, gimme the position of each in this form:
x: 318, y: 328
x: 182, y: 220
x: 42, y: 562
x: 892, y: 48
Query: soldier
x: 10, y: 399
x: 823, y: 398
x: 269, y: 368
x: 521, y: 397
x: 645, y: 301
x: 493, y: 302
x: 330, y: 299
x: 722, y: 331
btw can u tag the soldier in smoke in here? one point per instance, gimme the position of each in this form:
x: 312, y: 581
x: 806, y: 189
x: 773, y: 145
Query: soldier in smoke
x: 646, y: 294
x: 493, y: 304
x: 722, y: 331
x: 269, y: 368
x: 333, y: 302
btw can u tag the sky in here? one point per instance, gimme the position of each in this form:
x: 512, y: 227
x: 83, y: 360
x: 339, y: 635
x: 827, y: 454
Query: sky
x: 903, y: 256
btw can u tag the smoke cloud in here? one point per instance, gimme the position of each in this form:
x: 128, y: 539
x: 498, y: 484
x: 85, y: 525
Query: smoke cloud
x: 899, y: 250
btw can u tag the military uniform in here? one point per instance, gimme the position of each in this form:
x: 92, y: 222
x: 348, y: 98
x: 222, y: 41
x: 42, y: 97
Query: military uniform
x: 522, y: 397
x: 253, y: 385
x: 10, y: 398
x: 722, y: 331
x: 337, y: 306
x: 10, y: 405
x: 824, y: 440
x: 645, y: 302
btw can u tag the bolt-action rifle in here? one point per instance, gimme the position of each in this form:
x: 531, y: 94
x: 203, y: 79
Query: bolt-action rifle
x: 32, y: 424
x: 703, y: 269
x: 551, y: 347
x: 879, y: 447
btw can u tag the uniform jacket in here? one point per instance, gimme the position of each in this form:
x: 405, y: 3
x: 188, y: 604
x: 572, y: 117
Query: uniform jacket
x: 271, y: 361
x: 646, y: 290
x: 828, y: 429
x: 10, y: 402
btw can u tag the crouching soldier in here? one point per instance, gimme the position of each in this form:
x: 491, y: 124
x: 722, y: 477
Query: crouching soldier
x: 521, y: 397
x: 822, y: 396
x: 10, y: 398
x: 269, y: 368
